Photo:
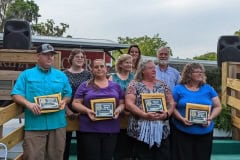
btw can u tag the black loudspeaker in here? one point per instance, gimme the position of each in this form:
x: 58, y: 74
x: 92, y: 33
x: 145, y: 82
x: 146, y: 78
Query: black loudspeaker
x: 17, y: 35
x: 228, y: 49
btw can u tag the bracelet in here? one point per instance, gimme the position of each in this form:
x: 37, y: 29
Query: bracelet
x: 167, y: 116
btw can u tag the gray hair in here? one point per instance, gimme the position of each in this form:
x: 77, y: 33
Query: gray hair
x: 161, y: 48
x: 141, y: 67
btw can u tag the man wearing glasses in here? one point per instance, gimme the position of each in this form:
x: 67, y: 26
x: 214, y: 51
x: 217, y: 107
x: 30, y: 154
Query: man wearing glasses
x: 45, y: 133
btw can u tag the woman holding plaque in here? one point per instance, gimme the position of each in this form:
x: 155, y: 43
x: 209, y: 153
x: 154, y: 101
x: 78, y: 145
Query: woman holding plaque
x: 100, y: 102
x: 149, y: 129
x: 122, y: 77
x: 76, y: 75
x: 197, y: 104
x: 135, y: 52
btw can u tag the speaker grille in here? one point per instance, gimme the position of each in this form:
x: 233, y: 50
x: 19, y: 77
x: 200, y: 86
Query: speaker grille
x: 228, y: 49
x: 17, y: 35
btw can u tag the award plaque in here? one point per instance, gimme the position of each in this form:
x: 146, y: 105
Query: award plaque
x: 197, y: 113
x: 48, y: 103
x: 154, y: 102
x: 103, y: 108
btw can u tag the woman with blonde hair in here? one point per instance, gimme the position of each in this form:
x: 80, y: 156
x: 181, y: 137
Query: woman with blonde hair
x: 123, y: 73
x: 123, y: 76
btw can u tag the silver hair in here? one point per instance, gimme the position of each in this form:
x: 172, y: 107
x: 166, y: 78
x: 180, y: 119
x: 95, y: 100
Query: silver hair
x: 159, y: 49
x: 141, y: 67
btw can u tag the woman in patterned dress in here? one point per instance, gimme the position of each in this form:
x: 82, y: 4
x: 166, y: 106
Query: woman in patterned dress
x: 76, y: 75
x: 149, y: 129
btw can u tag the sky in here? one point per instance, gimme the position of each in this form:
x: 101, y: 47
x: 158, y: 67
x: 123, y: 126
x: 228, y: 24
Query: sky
x: 190, y: 27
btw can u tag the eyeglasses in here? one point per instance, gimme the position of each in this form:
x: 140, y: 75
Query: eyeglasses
x: 79, y: 57
x: 198, y: 72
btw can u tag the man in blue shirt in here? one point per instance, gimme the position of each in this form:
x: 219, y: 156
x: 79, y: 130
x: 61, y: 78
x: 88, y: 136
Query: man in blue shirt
x: 44, y: 136
x: 165, y: 72
x: 169, y: 75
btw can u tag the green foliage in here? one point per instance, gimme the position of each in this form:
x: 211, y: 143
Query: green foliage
x: 223, y: 120
x: 28, y: 10
x: 49, y: 29
x: 3, y: 8
x: 237, y: 33
x: 211, y: 56
x: 148, y: 45
x: 214, y: 78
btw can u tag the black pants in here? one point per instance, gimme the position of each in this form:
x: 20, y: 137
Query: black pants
x: 124, y: 147
x: 143, y: 152
x: 68, y: 145
x: 191, y: 147
x: 98, y: 146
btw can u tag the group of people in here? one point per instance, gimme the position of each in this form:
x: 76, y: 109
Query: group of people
x: 131, y: 133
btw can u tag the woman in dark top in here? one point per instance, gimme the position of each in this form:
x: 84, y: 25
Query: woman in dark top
x: 76, y: 75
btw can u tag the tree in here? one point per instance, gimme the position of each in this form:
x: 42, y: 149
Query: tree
x: 148, y: 45
x: 28, y: 10
x: 48, y: 28
x: 211, y: 56
x: 3, y: 9
x: 237, y: 33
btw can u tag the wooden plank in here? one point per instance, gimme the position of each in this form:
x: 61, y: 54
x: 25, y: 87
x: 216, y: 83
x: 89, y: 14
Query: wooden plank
x: 9, y: 112
x: 57, y: 60
x: 234, y: 63
x: 25, y: 56
x: 235, y: 133
x: 224, y: 82
x: 5, y: 95
x: 6, y: 87
x: 16, y: 50
x: 1, y: 131
x: 233, y: 83
x: 19, y: 157
x: 18, y: 57
x: 14, y: 137
x: 9, y: 75
x: 236, y: 121
x: 72, y: 125
x: 233, y: 102
x: 124, y: 121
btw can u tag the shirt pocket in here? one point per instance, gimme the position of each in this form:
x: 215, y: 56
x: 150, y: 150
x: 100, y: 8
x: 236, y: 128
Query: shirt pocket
x: 34, y: 86
x: 57, y: 85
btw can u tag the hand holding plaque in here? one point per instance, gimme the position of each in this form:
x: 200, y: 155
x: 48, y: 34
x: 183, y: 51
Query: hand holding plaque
x: 197, y: 113
x: 48, y: 103
x: 103, y: 108
x: 153, y: 102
